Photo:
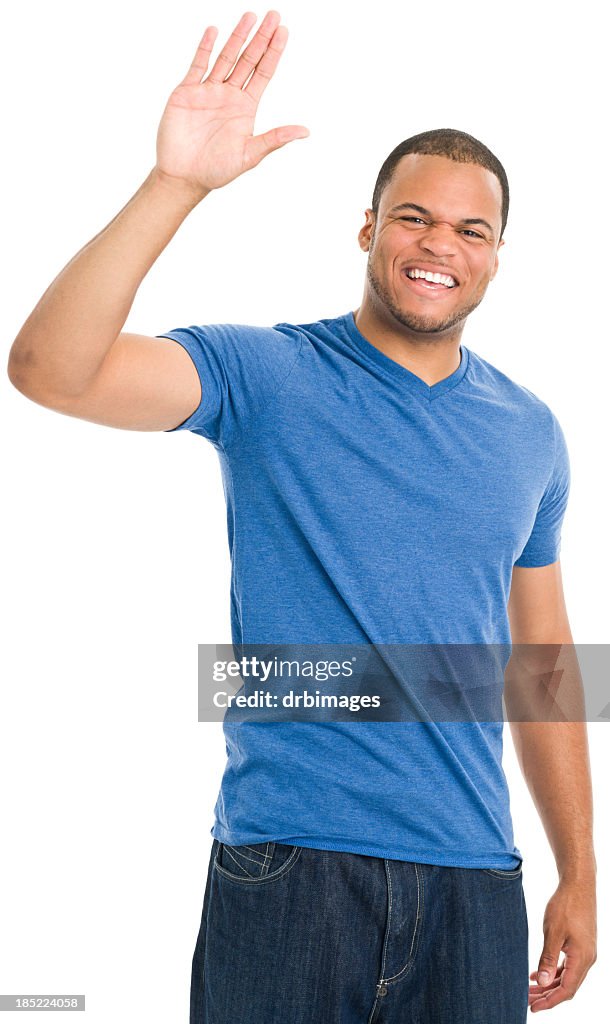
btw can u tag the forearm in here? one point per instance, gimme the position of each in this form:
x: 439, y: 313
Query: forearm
x: 64, y: 341
x: 554, y: 759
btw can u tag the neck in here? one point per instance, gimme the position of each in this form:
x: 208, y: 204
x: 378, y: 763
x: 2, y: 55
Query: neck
x: 430, y: 356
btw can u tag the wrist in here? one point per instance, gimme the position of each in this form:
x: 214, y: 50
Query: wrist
x: 578, y: 869
x: 186, y: 192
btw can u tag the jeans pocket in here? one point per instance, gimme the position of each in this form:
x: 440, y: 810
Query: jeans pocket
x: 505, y: 872
x: 255, y: 862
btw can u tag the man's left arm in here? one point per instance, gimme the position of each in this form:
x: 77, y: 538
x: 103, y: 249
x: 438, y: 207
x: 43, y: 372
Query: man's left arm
x: 554, y: 760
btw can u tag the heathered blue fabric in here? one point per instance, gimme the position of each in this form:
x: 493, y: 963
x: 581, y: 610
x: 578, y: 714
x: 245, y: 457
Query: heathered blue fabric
x: 364, y: 506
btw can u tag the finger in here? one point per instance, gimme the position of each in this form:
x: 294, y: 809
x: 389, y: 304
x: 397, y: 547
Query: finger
x: 538, y: 996
x: 547, y: 965
x: 255, y: 50
x: 230, y: 51
x: 551, y: 998
x: 266, y: 66
x: 569, y: 983
x: 534, y: 975
x: 260, y: 146
x: 202, y: 57
x: 536, y: 991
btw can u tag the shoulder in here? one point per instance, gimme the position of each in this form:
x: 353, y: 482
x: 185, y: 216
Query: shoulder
x: 226, y: 337
x: 323, y: 330
x: 240, y: 349
x: 518, y: 399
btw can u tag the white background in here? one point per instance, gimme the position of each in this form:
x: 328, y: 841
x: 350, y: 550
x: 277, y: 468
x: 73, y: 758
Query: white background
x: 115, y: 560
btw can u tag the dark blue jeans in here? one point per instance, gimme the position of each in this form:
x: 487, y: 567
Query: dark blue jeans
x: 291, y: 935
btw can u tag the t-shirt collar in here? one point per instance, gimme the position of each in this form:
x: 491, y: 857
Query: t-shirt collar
x: 411, y: 380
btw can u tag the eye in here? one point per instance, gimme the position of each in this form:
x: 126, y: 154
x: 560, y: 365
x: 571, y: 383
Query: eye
x: 418, y: 219
x: 473, y: 234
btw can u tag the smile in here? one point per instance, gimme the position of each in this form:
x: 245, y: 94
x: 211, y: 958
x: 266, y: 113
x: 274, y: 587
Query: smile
x: 425, y: 283
x: 430, y: 277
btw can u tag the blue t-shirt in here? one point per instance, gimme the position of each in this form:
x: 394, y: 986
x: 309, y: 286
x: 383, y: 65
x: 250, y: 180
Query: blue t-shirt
x: 365, y: 506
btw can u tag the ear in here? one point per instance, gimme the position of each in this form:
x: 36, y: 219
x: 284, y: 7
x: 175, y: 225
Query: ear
x: 497, y: 260
x: 366, y: 231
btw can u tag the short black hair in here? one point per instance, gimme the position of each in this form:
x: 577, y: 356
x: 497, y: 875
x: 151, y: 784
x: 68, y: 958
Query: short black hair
x: 450, y: 143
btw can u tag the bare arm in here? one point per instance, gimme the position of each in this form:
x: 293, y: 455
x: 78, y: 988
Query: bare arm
x: 549, y: 751
x: 554, y: 760
x: 70, y: 354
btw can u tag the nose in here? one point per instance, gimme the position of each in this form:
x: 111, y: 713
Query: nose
x: 439, y: 240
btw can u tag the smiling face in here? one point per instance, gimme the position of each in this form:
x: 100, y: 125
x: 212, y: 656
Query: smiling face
x: 435, y: 217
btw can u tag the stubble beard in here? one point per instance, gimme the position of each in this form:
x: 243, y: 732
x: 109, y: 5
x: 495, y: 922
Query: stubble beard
x: 419, y: 323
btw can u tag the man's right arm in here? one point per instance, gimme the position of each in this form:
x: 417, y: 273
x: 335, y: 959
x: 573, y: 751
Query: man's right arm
x: 71, y: 354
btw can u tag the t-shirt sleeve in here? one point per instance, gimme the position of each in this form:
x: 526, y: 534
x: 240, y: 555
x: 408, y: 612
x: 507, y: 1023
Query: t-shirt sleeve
x: 544, y: 543
x: 241, y: 369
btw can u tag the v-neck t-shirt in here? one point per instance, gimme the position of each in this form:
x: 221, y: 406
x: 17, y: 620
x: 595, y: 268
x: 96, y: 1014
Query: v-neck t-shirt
x: 365, y: 506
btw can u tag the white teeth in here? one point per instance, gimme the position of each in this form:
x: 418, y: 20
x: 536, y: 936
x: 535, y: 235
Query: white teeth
x: 434, y: 278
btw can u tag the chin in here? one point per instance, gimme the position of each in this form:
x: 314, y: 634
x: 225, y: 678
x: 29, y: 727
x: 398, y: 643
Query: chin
x: 425, y: 322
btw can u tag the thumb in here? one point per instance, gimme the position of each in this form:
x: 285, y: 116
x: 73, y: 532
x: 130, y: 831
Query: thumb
x: 547, y: 964
x: 260, y: 146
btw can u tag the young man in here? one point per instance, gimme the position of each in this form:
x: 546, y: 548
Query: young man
x: 385, y: 486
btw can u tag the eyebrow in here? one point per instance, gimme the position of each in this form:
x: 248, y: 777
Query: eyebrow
x: 426, y: 213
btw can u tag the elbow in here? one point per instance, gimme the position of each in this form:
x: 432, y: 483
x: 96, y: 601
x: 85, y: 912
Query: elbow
x: 22, y: 374
x: 31, y: 380
x: 17, y: 371
x: 36, y: 379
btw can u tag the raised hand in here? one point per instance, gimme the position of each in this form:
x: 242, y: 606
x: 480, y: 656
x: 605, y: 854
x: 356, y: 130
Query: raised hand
x: 205, y: 137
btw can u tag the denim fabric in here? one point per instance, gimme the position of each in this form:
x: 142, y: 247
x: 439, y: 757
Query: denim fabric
x: 293, y: 935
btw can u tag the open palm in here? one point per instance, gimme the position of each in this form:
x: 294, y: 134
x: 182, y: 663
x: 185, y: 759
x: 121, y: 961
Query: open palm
x: 206, y: 136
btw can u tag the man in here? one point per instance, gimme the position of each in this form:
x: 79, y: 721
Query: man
x: 385, y: 485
